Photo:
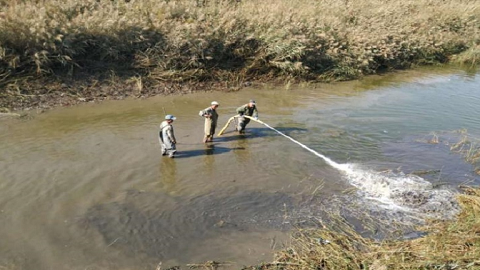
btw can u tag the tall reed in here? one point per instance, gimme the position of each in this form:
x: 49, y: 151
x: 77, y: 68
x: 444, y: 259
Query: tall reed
x: 206, y: 39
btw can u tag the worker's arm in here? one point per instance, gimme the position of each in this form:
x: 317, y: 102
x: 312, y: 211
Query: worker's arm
x: 255, y: 112
x: 171, y: 134
x: 205, y: 113
x: 241, y: 110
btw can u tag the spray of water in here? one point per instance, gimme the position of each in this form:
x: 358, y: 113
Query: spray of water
x: 341, y: 167
x: 395, y: 191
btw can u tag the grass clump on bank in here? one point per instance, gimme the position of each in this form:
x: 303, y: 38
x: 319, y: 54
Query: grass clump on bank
x: 151, y: 45
x: 447, y: 245
x: 470, y: 57
x: 468, y: 147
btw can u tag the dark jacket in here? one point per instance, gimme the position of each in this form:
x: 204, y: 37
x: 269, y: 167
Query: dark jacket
x: 249, y: 111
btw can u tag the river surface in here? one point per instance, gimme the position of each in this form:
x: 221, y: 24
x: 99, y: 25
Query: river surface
x: 86, y: 187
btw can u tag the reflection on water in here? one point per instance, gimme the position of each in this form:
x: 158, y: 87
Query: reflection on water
x: 147, y: 223
x: 209, y: 149
x: 87, y: 188
x: 168, y: 174
x: 241, y: 152
x: 209, y: 159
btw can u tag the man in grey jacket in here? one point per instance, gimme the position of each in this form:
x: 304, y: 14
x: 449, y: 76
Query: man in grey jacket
x: 211, y: 117
x: 166, y: 136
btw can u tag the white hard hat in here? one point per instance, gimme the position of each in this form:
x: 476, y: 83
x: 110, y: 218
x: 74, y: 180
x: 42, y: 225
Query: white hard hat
x: 215, y: 103
x: 170, y: 117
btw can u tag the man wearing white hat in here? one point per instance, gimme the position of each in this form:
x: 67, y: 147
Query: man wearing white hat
x: 211, y: 116
x: 166, y: 136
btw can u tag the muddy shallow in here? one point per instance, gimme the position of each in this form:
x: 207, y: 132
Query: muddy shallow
x: 86, y: 188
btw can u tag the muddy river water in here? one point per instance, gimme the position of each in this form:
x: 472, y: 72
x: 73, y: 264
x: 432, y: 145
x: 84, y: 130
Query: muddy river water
x: 86, y: 187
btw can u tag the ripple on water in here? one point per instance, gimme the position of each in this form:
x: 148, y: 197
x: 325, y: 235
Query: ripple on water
x: 163, y: 227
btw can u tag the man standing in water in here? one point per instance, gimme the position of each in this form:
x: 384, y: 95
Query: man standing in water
x: 249, y: 109
x: 211, y: 117
x: 166, y: 137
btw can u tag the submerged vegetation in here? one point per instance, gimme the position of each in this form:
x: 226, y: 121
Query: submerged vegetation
x: 446, y: 245
x: 81, y: 51
x: 469, y: 147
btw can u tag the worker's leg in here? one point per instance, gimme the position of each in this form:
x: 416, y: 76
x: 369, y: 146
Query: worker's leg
x: 208, y: 130
x: 212, y: 132
x: 241, y: 124
x: 172, y: 149
x: 162, y: 145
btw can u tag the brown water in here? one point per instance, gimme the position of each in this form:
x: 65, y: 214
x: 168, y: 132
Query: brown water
x: 86, y: 187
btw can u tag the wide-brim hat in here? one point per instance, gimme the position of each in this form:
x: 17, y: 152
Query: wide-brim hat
x: 215, y: 103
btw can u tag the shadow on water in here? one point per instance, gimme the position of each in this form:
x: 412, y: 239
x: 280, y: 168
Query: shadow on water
x: 210, y: 149
x: 259, y: 133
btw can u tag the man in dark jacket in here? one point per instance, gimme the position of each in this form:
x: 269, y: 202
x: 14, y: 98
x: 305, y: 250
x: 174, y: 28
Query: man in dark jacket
x: 249, y: 109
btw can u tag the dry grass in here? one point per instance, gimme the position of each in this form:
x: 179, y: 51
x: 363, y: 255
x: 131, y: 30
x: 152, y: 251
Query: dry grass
x: 450, y: 245
x: 447, y: 245
x: 469, y: 148
x: 206, y: 39
x: 470, y: 57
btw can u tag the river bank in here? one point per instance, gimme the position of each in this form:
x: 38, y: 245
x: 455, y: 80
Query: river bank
x: 59, y: 53
x: 446, y: 245
x: 91, y: 190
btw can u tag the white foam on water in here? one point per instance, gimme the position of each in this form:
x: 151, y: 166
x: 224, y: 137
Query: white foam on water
x: 407, y: 193
x: 394, y: 191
